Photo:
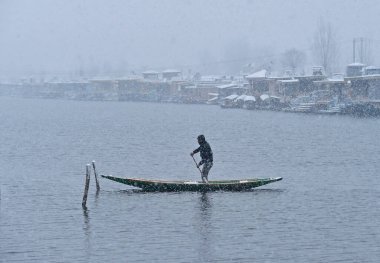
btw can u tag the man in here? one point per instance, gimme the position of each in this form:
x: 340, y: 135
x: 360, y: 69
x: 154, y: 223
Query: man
x: 206, y: 155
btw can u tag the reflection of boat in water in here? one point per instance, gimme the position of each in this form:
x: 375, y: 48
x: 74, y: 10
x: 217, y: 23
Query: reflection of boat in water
x: 176, y: 186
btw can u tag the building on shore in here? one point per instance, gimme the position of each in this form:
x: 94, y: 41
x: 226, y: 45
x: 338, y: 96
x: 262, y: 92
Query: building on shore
x: 288, y: 88
x: 354, y: 69
x: 284, y: 87
x: 371, y: 70
x: 364, y: 88
x: 142, y: 90
x: 226, y: 90
x: 103, y: 89
x: 128, y: 88
x: 74, y: 90
x: 171, y: 74
x: 151, y: 75
x: 373, y: 84
x: 258, y: 83
x: 198, y: 93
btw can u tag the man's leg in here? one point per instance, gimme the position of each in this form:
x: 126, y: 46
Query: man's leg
x: 205, y: 170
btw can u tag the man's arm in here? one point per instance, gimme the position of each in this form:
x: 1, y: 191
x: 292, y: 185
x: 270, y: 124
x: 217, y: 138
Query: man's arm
x: 195, y: 151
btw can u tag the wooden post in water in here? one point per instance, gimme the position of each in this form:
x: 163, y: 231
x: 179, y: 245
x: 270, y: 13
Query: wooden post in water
x: 96, y: 177
x: 86, y: 186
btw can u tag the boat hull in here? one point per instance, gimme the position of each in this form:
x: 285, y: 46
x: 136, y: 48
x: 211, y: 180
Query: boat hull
x: 194, y: 186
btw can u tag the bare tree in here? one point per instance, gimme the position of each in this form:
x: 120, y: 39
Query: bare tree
x: 325, y: 46
x: 293, y: 59
x: 363, y: 51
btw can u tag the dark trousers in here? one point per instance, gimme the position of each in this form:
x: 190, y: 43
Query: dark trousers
x: 205, y: 170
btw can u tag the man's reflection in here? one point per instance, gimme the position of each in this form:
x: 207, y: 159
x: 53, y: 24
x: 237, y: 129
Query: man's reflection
x: 205, y: 230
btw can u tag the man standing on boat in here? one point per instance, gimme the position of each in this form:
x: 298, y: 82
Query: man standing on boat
x: 206, y: 155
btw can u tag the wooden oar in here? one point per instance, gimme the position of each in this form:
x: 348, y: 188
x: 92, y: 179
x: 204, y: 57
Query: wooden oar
x: 196, y: 164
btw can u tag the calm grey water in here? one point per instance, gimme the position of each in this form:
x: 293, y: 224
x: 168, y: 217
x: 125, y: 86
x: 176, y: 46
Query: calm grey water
x: 326, y: 209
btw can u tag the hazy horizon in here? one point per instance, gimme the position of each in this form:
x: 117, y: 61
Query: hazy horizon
x: 59, y: 37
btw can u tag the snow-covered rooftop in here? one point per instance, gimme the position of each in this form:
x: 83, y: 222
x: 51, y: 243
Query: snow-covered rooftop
x: 241, y: 97
x: 231, y: 97
x: 372, y: 67
x: 288, y: 80
x: 259, y: 74
x: 102, y: 79
x: 264, y: 97
x: 356, y: 64
x: 210, y: 78
x: 150, y: 72
x: 66, y: 82
x: 131, y: 77
x: 335, y: 80
x: 232, y: 85
x: 171, y: 71
x: 249, y: 98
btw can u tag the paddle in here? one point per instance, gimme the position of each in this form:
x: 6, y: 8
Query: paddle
x: 196, y: 164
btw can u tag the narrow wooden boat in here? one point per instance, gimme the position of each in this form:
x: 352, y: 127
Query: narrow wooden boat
x: 163, y: 186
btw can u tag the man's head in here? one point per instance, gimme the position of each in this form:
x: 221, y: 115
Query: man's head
x: 201, y: 139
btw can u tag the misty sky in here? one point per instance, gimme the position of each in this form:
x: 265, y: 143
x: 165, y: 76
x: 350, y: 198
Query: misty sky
x: 60, y: 36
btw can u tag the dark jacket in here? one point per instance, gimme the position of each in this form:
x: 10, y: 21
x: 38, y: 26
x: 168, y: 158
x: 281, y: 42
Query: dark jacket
x: 206, y: 152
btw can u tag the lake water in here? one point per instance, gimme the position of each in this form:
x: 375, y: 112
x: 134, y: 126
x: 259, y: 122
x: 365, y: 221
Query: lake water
x: 326, y: 208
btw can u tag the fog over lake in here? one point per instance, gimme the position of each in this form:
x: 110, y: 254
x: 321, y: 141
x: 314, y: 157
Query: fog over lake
x: 42, y: 37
